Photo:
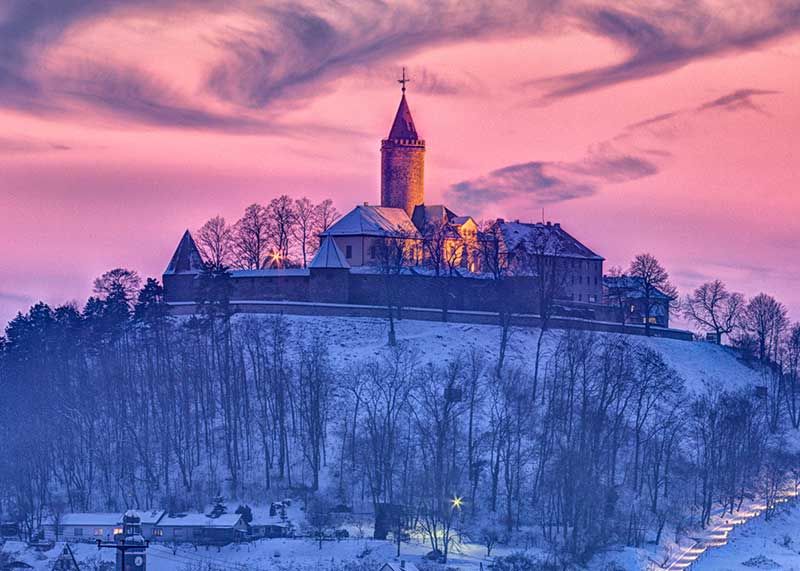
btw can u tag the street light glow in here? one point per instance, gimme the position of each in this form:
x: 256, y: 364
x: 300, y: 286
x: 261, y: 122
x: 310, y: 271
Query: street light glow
x: 456, y: 502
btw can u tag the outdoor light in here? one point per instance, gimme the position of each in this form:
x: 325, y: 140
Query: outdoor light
x: 456, y: 502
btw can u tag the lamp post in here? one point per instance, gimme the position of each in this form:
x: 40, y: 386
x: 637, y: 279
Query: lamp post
x: 130, y: 546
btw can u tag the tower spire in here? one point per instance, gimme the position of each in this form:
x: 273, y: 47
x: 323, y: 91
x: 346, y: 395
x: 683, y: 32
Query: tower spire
x: 403, y: 80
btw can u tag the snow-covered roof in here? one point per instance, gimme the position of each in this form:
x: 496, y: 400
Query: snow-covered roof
x: 552, y: 237
x: 91, y: 519
x: 187, y: 258
x: 425, y: 214
x: 329, y: 256
x: 396, y: 566
x: 200, y: 520
x: 148, y: 516
x: 366, y: 220
x: 633, y: 286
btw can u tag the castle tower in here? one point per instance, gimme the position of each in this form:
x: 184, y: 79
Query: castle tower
x: 403, y: 161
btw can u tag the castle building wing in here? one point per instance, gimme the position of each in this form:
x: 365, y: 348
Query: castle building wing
x: 557, y: 241
x: 187, y: 258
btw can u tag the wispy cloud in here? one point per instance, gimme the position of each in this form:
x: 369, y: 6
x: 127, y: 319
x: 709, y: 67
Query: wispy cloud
x: 741, y: 99
x: 281, y: 55
x: 663, y: 36
x: 541, y: 183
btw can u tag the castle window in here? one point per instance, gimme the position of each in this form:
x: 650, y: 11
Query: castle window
x: 348, y: 252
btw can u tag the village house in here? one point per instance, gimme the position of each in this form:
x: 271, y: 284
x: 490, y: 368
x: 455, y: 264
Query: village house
x: 626, y: 294
x: 201, y: 529
x: 83, y: 527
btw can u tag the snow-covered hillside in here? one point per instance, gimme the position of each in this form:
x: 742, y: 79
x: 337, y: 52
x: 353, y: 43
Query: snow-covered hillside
x: 701, y: 364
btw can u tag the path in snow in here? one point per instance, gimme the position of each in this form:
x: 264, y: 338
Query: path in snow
x: 718, y: 536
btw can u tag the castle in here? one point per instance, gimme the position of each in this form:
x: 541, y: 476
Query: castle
x: 435, y: 258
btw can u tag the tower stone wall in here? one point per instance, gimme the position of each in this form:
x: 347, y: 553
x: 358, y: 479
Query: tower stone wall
x: 403, y: 173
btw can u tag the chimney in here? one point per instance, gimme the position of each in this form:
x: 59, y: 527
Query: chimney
x: 402, y: 564
x: 501, y: 221
x: 366, y: 203
x: 557, y: 224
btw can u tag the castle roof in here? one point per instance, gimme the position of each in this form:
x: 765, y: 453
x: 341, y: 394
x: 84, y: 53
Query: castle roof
x: 557, y: 241
x: 403, y: 126
x: 366, y: 220
x: 329, y: 256
x: 435, y: 213
x: 187, y: 258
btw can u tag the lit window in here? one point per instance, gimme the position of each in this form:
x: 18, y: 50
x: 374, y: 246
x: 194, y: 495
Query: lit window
x: 117, y: 531
x: 158, y: 532
x: 98, y: 531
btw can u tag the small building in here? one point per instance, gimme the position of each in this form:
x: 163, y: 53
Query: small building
x: 201, y: 529
x: 83, y: 527
x: 627, y: 295
x: 398, y: 566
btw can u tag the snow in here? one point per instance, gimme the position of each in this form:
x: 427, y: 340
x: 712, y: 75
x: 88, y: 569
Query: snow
x: 759, y: 544
x: 702, y: 365
x: 91, y: 519
x: 372, y: 221
x: 199, y: 520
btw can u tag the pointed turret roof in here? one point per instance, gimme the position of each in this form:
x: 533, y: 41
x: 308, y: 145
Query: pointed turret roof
x: 329, y: 256
x: 403, y: 126
x: 187, y: 258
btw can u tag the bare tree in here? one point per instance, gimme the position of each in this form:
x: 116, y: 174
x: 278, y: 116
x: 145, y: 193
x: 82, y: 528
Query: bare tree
x: 766, y: 318
x: 494, y: 261
x: 542, y: 260
x: 653, y: 278
x: 712, y: 306
x: 215, y: 241
x: 392, y: 252
x: 119, y: 281
x: 305, y: 227
x: 326, y: 214
x: 250, y: 237
x: 282, y: 220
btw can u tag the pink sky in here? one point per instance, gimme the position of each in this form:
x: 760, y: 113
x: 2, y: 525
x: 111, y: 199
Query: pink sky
x: 640, y: 127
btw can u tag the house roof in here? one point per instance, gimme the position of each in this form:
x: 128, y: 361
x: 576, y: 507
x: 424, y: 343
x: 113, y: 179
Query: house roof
x: 558, y: 242
x: 148, y: 516
x: 395, y: 566
x: 403, y: 125
x: 200, y: 520
x: 429, y: 214
x: 366, y: 220
x: 329, y: 256
x: 633, y: 286
x: 187, y: 258
x: 91, y: 519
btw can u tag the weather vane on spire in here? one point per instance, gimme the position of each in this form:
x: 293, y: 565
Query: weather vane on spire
x: 403, y: 80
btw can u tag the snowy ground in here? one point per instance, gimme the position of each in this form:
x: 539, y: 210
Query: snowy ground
x: 352, y: 340
x: 267, y: 554
x: 760, y: 544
